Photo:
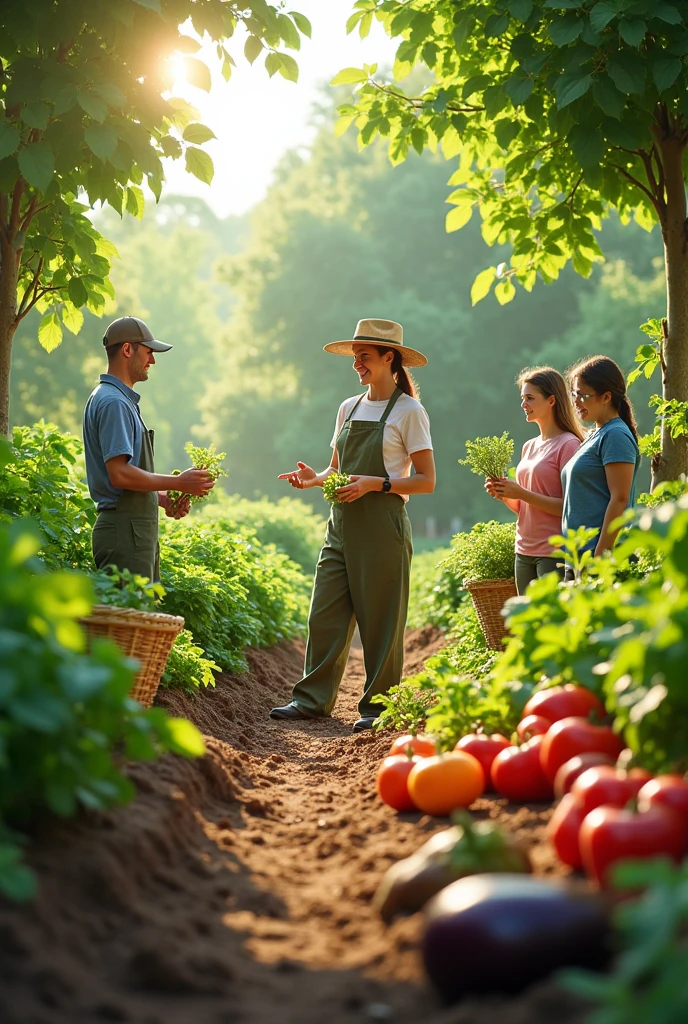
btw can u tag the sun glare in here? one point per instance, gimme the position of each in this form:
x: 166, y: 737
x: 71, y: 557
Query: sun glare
x: 177, y: 69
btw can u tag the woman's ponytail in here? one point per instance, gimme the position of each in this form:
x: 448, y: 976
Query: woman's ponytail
x: 403, y: 379
x: 625, y: 411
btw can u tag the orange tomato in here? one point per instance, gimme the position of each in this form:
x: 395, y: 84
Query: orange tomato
x: 392, y: 781
x: 440, y: 784
x: 423, y: 746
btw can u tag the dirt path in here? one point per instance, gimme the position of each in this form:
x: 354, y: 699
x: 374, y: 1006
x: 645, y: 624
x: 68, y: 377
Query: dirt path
x: 237, y: 889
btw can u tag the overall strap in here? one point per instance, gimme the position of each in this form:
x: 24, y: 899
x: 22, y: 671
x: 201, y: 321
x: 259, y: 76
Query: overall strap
x: 390, y: 405
x: 353, y: 410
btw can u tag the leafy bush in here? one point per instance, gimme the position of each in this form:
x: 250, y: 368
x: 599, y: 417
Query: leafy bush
x: 290, y: 524
x: 187, y: 668
x: 230, y: 589
x: 42, y: 477
x: 489, y: 456
x: 124, y: 589
x: 66, y: 720
x: 467, y: 650
x: 668, y: 490
x: 434, y: 594
x: 484, y: 553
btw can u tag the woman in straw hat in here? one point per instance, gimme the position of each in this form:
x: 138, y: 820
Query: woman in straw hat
x: 363, y: 570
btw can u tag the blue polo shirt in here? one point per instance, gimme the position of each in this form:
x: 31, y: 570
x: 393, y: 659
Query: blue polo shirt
x: 112, y: 426
x: 586, y: 493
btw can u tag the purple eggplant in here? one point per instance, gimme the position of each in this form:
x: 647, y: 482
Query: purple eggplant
x: 501, y: 933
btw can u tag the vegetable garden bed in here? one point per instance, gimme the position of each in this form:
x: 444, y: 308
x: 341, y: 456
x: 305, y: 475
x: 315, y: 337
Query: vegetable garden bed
x: 238, y: 887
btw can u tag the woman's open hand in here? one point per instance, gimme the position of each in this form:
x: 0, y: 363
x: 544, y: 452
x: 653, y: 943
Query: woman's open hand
x: 357, y: 487
x: 302, y: 477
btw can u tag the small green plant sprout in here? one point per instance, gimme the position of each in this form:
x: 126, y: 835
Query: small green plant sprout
x: 405, y: 708
x: 571, y: 549
x: 489, y: 456
x: 201, y: 458
x: 332, y: 484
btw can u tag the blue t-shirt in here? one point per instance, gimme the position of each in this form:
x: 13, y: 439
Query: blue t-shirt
x: 586, y: 493
x: 112, y: 426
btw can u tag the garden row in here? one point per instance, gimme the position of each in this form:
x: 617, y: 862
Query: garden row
x: 67, y: 722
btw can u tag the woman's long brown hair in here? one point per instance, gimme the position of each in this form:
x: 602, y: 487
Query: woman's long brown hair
x: 549, y: 381
x: 403, y: 379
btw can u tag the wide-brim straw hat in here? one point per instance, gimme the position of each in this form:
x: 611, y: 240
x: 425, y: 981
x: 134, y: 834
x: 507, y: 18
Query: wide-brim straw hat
x: 386, y: 334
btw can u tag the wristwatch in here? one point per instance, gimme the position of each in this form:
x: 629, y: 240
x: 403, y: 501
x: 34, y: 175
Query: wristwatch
x: 386, y: 485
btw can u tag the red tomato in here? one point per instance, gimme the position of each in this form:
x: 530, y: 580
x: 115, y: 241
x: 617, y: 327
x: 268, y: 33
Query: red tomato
x: 483, y: 748
x: 667, y: 791
x: 557, y: 702
x: 572, y: 736
x: 610, y: 835
x: 563, y: 829
x: 570, y: 770
x: 423, y: 746
x: 517, y: 773
x: 606, y: 785
x: 392, y: 781
x: 532, y: 725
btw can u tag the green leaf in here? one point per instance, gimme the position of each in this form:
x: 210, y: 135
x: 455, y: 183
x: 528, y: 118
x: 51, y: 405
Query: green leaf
x: 72, y: 318
x: 272, y: 63
x: 506, y: 131
x: 520, y: 9
x: 288, y: 33
x: 50, y: 331
x: 197, y: 73
x: 36, y: 115
x: 302, y: 23
x: 289, y: 69
x: 186, y: 44
x: 459, y: 216
x: 77, y: 292
x: 135, y: 202
x: 199, y: 164
x: 197, y: 134
x: 571, y: 86
x: 101, y: 140
x: 184, y: 738
x: 665, y: 71
x: 112, y: 94
x: 152, y: 5
x: 665, y: 12
x: 505, y: 291
x: 632, y: 32
x: 37, y: 164
x: 349, y: 76
x: 482, y: 284
x: 601, y: 15
x: 519, y: 89
x: 64, y: 98
x: 496, y: 25
x: 564, y: 30
x: 94, y: 106
x: 587, y: 144
x: 9, y: 139
x: 608, y: 97
x: 627, y: 72
x: 252, y: 48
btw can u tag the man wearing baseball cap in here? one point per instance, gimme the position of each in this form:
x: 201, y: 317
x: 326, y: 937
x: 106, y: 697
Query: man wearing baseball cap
x: 119, y: 457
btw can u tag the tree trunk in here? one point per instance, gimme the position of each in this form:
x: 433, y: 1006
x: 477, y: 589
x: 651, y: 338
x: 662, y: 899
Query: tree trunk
x: 674, y: 456
x: 9, y: 270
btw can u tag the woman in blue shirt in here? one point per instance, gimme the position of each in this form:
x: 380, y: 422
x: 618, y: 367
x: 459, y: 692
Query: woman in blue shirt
x: 599, y: 480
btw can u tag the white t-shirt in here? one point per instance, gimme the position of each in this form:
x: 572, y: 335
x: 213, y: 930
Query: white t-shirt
x: 407, y: 430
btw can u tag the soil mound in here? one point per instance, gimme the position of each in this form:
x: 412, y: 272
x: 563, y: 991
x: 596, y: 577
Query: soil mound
x: 237, y: 888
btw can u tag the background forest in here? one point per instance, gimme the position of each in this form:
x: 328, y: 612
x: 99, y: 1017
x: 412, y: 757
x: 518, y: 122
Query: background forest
x: 340, y: 235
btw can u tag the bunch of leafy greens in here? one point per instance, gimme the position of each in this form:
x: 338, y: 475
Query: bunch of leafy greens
x: 201, y: 458
x: 66, y: 719
x: 489, y: 456
x: 332, y: 484
x: 486, y: 552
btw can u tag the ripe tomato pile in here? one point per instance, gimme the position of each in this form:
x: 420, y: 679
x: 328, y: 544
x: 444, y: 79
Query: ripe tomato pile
x: 562, y: 747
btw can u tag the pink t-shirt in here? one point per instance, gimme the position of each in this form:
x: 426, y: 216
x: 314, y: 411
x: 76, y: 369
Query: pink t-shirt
x: 540, y: 470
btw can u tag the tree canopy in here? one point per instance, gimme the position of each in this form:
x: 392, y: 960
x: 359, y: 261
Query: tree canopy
x: 84, y: 119
x: 558, y: 112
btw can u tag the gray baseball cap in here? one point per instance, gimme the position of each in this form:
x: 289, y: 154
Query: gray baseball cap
x: 131, y: 329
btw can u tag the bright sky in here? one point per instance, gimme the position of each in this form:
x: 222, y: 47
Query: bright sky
x: 256, y: 118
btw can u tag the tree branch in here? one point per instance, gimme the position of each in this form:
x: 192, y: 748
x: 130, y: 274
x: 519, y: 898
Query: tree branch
x: 32, y: 286
x: 14, y: 215
x: 31, y: 212
x: 3, y: 216
x: 418, y: 101
x: 643, y: 188
x: 38, y: 297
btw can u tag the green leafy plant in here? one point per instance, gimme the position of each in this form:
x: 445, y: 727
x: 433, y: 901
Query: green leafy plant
x: 489, y: 456
x: 66, y: 718
x: 124, y: 589
x: 332, y: 484
x: 467, y: 650
x: 486, y: 552
x: 201, y: 458
x: 187, y: 668
x: 405, y: 707
x: 434, y: 592
x: 668, y: 490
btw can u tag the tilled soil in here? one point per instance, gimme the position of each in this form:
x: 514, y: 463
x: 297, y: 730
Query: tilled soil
x: 237, y: 888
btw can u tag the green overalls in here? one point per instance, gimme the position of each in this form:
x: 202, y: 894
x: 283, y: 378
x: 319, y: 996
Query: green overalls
x: 362, y: 576
x: 127, y: 536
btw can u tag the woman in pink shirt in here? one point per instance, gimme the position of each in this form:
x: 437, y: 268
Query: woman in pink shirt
x: 536, y: 494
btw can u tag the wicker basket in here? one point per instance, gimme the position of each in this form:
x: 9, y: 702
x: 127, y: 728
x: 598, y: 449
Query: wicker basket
x: 146, y: 636
x: 489, y: 597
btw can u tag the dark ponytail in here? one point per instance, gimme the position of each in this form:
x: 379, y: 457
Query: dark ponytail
x: 402, y: 378
x: 602, y: 374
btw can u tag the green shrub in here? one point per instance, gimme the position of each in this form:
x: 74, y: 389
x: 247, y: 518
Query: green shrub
x: 187, y: 667
x: 66, y: 720
x: 232, y: 591
x: 484, y: 553
x: 467, y: 650
x: 433, y: 592
x: 42, y: 477
x: 289, y: 524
